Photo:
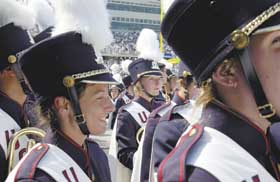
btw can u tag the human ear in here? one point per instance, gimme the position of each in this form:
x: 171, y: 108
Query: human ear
x: 225, y: 75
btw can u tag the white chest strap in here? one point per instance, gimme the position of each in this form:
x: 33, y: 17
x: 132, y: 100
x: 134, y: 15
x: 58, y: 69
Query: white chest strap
x: 8, y: 127
x: 119, y: 173
x: 138, y: 112
x: 225, y: 159
x: 55, y: 163
x: 58, y: 165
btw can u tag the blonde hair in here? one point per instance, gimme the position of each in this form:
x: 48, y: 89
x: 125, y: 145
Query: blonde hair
x: 208, y: 90
x: 137, y: 88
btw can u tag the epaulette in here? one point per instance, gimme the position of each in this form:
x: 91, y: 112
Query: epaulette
x: 186, y: 142
x: 28, y: 166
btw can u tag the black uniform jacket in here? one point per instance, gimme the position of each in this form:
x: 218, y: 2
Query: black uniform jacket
x: 152, y: 122
x: 119, y: 103
x: 244, y: 132
x: 127, y: 128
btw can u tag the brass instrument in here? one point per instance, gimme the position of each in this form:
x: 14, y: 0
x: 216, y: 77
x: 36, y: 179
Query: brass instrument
x: 139, y: 133
x: 31, y: 142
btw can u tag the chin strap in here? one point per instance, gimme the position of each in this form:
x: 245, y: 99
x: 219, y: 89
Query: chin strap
x: 20, y: 77
x: 265, y: 108
x: 69, y: 83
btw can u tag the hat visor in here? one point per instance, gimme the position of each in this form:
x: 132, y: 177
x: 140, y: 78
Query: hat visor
x: 105, y: 78
x: 150, y: 73
x: 273, y: 24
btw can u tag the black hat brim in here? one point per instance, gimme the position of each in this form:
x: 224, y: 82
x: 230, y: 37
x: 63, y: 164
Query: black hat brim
x: 149, y: 73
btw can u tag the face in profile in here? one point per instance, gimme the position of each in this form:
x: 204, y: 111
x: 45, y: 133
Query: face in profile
x: 96, y: 104
x: 265, y: 55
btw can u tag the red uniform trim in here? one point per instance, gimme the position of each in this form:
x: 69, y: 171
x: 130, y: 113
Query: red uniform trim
x: 162, y: 164
x: 183, y: 155
x: 43, y: 151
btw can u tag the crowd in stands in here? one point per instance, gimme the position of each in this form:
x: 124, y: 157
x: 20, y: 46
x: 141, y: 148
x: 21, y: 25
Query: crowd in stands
x: 125, y: 44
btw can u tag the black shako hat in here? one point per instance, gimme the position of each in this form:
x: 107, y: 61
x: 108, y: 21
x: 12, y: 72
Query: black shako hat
x: 170, y: 74
x: 47, y: 64
x: 127, y: 81
x: 44, y: 34
x: 13, y: 39
x: 143, y: 67
x: 204, y: 32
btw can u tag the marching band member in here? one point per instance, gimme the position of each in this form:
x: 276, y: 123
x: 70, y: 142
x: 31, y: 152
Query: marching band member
x: 15, y: 22
x: 68, y: 74
x: 181, y: 97
x: 126, y: 96
x: 232, y: 49
x: 131, y: 119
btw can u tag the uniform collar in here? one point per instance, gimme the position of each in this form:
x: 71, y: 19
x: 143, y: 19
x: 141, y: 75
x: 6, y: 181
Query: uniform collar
x: 74, y: 150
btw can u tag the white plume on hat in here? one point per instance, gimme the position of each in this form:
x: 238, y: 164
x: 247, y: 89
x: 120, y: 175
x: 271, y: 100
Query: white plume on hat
x: 44, y: 13
x: 12, y: 11
x: 148, y: 45
x: 115, y: 68
x: 87, y: 17
x: 166, y: 63
x: 125, y: 65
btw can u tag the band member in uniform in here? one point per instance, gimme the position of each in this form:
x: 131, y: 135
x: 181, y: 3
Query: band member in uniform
x: 126, y: 96
x: 147, y: 82
x: 15, y: 37
x: 236, y: 64
x: 159, y: 115
x: 67, y: 73
x: 175, y: 121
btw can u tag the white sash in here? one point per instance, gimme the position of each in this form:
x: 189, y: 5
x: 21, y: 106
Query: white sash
x: 120, y: 173
x: 225, y: 159
x: 138, y: 155
x: 55, y: 162
x: 138, y: 112
x: 8, y: 127
x: 137, y: 161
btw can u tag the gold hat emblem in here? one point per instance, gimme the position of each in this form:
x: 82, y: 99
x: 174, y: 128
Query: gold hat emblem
x: 12, y: 59
x: 239, y: 39
x: 155, y: 65
x: 68, y: 81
